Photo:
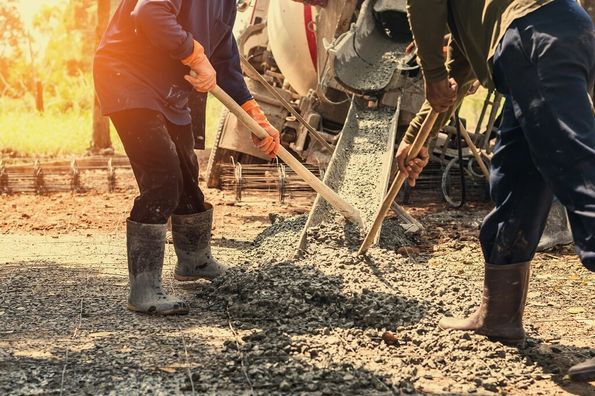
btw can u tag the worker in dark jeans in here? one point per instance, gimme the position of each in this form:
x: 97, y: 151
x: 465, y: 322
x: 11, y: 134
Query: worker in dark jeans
x: 541, y: 56
x: 142, y: 78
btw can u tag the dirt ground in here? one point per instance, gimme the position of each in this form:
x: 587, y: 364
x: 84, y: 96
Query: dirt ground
x: 272, y: 326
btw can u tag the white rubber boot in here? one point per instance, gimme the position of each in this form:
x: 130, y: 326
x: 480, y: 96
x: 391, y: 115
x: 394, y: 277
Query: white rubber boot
x: 192, y: 242
x: 146, y: 247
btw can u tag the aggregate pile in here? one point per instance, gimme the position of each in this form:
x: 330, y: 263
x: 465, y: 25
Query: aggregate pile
x: 336, y: 323
x: 333, y: 322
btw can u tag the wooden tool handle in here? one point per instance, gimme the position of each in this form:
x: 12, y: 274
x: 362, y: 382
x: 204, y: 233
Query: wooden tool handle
x: 418, y: 144
x: 313, y: 132
x: 326, y: 192
x: 475, y: 152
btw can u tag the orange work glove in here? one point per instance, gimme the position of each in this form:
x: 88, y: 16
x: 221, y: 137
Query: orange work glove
x: 206, y: 77
x: 269, y: 145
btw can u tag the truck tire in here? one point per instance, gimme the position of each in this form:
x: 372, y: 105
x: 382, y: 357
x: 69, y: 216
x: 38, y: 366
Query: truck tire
x: 213, y: 176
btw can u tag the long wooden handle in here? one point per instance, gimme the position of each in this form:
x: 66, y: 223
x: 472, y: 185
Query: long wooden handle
x: 331, y: 197
x: 418, y: 144
x: 287, y: 105
x: 475, y: 151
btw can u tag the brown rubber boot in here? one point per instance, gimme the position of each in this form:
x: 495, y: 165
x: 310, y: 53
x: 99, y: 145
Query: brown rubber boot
x: 500, y: 315
x: 583, y: 372
x: 192, y: 242
x: 146, y: 248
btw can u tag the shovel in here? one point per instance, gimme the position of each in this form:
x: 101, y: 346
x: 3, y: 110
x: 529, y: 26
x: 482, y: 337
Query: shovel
x: 348, y: 211
x: 400, y: 178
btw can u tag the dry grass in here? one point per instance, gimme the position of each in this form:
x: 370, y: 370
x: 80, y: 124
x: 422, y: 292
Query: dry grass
x: 59, y: 133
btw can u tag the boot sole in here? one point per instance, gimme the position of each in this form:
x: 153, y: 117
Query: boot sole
x: 179, y: 311
x: 186, y: 278
x: 182, y: 278
x: 585, y: 375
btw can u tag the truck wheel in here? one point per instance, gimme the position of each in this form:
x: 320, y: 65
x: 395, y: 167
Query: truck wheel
x: 218, y: 155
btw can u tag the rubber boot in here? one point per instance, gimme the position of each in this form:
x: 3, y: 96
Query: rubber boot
x: 557, y: 230
x: 500, y: 314
x: 146, y: 247
x: 583, y: 372
x: 192, y: 242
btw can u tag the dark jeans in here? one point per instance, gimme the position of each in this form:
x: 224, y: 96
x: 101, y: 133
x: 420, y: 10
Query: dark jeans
x: 545, y: 66
x: 164, y: 164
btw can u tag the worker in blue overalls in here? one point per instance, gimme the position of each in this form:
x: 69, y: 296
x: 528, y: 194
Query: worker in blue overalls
x: 142, y: 78
x: 541, y: 55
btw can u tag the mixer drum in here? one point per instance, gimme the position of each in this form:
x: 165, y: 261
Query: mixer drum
x: 293, y: 42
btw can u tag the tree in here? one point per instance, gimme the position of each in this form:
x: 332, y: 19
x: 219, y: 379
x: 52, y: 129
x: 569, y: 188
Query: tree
x: 101, y: 137
x: 12, y: 40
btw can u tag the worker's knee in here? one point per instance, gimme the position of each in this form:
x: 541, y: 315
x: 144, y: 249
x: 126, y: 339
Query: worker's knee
x: 161, y: 190
x: 171, y: 187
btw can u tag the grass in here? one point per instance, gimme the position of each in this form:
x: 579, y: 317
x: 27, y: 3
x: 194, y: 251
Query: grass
x: 471, y: 109
x: 61, y: 133
x: 66, y: 130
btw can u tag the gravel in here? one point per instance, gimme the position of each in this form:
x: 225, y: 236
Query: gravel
x: 362, y: 76
x: 364, y: 177
x: 315, y: 325
x: 332, y: 322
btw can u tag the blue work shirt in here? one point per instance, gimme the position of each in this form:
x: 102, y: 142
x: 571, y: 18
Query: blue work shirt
x: 137, y: 63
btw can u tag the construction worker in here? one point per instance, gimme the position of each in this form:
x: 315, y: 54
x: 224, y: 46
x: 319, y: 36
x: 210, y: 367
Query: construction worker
x: 142, y: 78
x: 541, y: 56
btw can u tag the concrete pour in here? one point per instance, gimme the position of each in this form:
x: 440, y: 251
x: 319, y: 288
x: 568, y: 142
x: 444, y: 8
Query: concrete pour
x: 361, y: 76
x: 359, y: 169
x: 273, y: 325
x: 318, y: 323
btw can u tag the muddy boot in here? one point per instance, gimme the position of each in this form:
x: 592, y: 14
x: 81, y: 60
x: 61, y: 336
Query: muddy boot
x: 146, y: 247
x: 500, y: 314
x: 192, y: 237
x: 557, y: 230
x: 583, y: 372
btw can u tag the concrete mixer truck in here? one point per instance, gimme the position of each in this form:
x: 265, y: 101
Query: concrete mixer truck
x: 327, y: 58
x: 344, y: 67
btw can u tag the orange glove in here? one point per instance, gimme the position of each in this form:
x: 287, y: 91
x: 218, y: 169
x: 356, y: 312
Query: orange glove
x: 269, y: 145
x: 206, y: 77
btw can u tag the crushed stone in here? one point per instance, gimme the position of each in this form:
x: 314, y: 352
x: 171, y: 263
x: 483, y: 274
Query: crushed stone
x: 316, y: 324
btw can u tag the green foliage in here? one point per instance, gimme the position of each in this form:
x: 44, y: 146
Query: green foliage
x: 66, y: 33
x: 12, y: 32
x: 52, y: 134
x: 12, y: 43
x: 62, y: 133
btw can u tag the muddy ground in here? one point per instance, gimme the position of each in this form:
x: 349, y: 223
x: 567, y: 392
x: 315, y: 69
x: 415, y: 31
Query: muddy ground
x: 273, y: 325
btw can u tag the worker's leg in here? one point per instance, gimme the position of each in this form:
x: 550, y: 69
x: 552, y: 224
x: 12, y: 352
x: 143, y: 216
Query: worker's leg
x: 192, y: 199
x: 154, y: 161
x: 511, y: 232
x: 547, y: 69
x: 544, y: 68
x: 509, y: 236
x: 192, y: 221
x: 156, y: 167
